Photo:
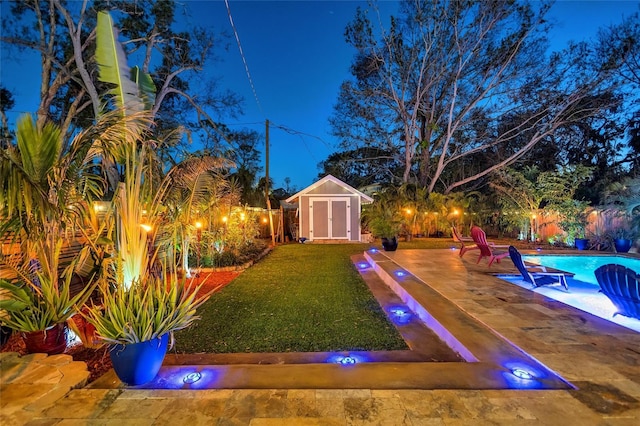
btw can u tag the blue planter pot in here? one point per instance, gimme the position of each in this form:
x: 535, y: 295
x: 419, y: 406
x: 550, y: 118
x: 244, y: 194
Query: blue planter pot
x: 138, y: 363
x: 622, y: 245
x: 581, y: 243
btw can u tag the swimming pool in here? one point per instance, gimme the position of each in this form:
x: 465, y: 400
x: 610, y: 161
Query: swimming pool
x: 582, y: 266
x: 584, y: 291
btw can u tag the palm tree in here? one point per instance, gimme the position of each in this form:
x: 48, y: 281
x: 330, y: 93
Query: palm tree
x: 46, y: 189
x: 189, y: 191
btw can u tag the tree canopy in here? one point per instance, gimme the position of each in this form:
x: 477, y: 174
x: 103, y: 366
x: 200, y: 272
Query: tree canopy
x: 63, y: 34
x: 456, y: 90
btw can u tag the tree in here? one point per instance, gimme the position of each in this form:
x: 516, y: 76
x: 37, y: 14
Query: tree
x: 244, y: 153
x: 190, y: 191
x: 6, y: 103
x: 620, y: 45
x: 448, y: 80
x: 46, y: 191
x: 63, y: 35
x: 521, y: 197
x: 362, y: 166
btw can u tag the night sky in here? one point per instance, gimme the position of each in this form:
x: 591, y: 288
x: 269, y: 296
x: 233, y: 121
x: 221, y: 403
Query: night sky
x: 297, y: 58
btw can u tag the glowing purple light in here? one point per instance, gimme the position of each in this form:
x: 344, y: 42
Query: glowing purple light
x: 400, y: 273
x: 453, y: 248
x: 538, y: 248
x: 363, y: 265
x: 399, y: 312
x: 192, y: 378
x: 373, y: 250
x: 522, y: 374
x: 347, y: 360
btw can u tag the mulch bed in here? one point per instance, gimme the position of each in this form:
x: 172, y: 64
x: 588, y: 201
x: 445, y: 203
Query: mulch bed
x: 98, y: 360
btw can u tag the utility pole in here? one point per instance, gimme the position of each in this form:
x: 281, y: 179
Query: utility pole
x: 266, y: 186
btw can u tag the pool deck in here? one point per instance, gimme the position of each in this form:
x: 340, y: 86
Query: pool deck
x: 600, y: 361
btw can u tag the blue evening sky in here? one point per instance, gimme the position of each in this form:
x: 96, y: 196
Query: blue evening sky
x: 297, y: 58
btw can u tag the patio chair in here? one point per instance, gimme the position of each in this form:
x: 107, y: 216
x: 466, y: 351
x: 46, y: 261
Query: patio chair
x: 464, y: 241
x: 540, y: 277
x: 622, y: 286
x: 487, y: 249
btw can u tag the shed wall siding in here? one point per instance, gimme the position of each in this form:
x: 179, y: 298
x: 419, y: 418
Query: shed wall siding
x: 329, y: 188
x: 337, y: 216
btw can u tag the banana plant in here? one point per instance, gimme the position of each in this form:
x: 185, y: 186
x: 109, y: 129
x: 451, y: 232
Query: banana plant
x: 131, y: 94
x: 131, y: 89
x: 141, y: 197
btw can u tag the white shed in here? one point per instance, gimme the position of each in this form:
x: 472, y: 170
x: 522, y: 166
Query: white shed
x: 329, y: 211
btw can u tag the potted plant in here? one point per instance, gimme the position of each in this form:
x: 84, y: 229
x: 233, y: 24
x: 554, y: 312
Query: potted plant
x: 142, y: 302
x: 138, y: 322
x: 387, y: 229
x: 574, y: 220
x: 623, y: 201
x: 384, y: 218
x: 622, y: 240
x: 38, y: 305
x: 383, y: 223
x: 45, y: 180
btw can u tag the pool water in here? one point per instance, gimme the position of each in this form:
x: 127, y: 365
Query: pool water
x: 582, y: 266
x: 584, y: 291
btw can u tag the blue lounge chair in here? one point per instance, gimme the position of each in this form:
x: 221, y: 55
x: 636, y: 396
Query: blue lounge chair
x: 622, y: 286
x: 540, y: 277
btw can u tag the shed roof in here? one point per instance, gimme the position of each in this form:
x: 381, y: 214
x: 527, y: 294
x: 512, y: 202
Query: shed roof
x: 364, y: 198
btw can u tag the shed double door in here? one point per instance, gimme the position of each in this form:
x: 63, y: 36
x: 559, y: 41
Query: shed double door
x: 329, y: 218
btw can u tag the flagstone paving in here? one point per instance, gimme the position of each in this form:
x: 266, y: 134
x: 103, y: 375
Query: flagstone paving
x: 600, y: 360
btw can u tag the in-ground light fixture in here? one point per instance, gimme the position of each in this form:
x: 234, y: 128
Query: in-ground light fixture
x: 522, y: 374
x: 399, y: 312
x: 192, y: 377
x: 347, y: 360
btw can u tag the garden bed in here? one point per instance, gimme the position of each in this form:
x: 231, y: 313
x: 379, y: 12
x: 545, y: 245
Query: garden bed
x: 98, y: 360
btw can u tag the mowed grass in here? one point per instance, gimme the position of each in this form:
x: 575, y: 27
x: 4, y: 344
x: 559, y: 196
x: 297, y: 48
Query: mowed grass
x: 299, y: 298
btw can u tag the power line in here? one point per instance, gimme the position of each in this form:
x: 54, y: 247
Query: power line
x: 302, y: 135
x: 244, y: 60
x: 299, y: 133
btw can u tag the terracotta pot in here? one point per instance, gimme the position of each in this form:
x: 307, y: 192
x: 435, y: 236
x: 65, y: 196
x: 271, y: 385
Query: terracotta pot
x: 85, y: 331
x: 51, y: 341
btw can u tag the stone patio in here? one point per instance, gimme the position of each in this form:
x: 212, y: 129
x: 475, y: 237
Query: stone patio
x: 599, y: 360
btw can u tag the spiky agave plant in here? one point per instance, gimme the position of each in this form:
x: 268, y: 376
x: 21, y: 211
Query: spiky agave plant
x: 147, y: 310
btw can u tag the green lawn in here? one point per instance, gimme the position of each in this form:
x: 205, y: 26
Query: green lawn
x: 301, y: 297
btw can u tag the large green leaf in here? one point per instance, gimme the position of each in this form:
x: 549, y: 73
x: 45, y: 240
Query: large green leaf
x: 112, y: 63
x: 39, y: 149
x: 146, y: 88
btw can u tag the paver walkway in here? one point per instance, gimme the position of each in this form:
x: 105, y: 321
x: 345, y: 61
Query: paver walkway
x: 600, y: 359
